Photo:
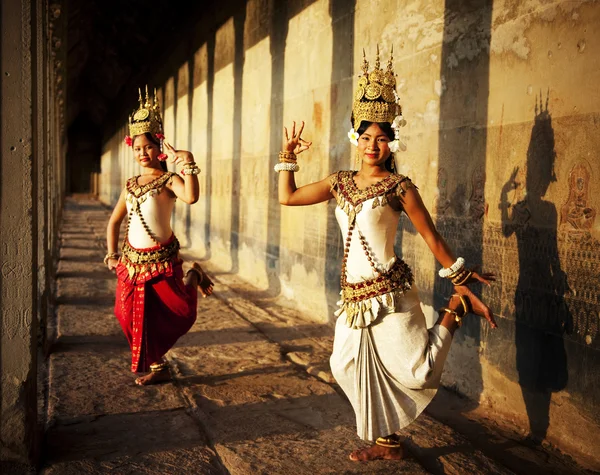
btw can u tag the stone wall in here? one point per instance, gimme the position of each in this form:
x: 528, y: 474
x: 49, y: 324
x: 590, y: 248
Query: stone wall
x: 503, y: 118
x: 31, y: 195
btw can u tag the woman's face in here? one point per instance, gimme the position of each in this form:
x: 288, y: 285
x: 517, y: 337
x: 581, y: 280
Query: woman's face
x: 145, y: 151
x: 373, y: 146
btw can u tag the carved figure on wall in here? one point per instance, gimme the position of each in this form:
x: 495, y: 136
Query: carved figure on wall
x: 155, y: 302
x: 477, y: 205
x: 541, y: 313
x: 441, y: 203
x: 384, y: 358
x: 576, y: 214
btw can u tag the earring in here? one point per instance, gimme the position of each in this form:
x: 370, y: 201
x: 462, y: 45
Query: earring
x: 393, y: 164
x: 357, y: 161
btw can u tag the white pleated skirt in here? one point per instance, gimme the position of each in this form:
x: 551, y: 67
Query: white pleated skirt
x: 390, y: 370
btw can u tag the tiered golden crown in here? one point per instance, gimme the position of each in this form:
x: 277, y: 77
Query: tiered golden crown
x: 147, y: 117
x: 376, y: 100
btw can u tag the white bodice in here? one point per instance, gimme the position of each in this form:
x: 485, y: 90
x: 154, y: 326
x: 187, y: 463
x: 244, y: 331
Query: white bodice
x: 378, y: 226
x: 155, y: 206
x: 374, y: 222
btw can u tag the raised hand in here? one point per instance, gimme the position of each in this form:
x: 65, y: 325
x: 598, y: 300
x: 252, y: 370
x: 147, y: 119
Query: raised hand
x: 511, y: 184
x: 178, y: 157
x: 295, y: 143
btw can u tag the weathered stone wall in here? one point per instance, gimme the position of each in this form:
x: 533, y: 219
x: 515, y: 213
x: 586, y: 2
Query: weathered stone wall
x: 31, y: 191
x: 503, y: 117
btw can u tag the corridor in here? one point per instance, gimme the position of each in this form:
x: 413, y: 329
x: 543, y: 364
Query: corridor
x: 252, y: 392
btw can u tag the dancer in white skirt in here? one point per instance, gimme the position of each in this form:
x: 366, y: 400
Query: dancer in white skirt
x: 384, y: 357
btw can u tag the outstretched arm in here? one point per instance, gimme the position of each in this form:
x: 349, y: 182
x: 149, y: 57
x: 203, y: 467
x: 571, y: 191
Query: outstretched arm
x: 187, y: 189
x: 421, y: 219
x: 289, y: 193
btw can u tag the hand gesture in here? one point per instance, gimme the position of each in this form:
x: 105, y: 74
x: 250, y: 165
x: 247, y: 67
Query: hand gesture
x: 511, y: 184
x: 484, y: 278
x: 477, y: 306
x: 295, y: 144
x: 178, y: 157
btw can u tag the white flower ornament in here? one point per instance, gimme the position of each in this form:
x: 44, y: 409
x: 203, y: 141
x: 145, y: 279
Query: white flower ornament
x: 394, y: 145
x: 353, y: 136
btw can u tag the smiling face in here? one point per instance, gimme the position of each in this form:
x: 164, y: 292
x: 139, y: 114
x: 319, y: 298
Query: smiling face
x: 146, y: 151
x: 373, y: 146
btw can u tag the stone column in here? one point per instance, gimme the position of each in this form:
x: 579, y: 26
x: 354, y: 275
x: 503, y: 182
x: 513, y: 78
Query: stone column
x: 18, y: 246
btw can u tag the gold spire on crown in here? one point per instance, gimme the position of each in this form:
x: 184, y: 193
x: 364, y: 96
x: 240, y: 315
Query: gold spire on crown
x: 147, y: 116
x: 375, y: 99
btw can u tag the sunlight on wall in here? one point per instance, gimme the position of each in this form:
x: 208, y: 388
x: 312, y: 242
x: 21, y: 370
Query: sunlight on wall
x: 255, y: 163
x: 222, y: 151
x: 309, y: 43
x: 181, y: 142
x: 199, y: 148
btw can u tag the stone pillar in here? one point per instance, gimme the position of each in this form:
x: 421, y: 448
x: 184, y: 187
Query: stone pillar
x: 18, y: 246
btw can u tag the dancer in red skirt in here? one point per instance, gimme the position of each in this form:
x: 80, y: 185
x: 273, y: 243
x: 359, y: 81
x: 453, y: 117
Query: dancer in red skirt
x: 155, y: 303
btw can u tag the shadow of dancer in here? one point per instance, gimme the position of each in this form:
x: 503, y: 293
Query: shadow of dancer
x: 541, y: 314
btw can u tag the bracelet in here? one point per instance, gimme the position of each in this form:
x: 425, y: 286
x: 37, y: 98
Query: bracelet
x: 457, y: 318
x: 286, y: 167
x: 464, y: 279
x: 458, y: 276
x: 110, y: 255
x: 465, y: 304
x: 453, y: 269
x: 190, y: 169
x: 287, y: 156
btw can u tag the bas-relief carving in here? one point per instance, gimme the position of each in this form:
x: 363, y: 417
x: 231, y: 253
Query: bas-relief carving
x: 441, y: 203
x: 576, y: 214
x: 16, y: 322
x: 474, y: 206
x: 477, y: 204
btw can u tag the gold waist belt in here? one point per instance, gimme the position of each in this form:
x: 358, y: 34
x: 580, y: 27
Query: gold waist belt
x: 399, y: 277
x: 151, y: 255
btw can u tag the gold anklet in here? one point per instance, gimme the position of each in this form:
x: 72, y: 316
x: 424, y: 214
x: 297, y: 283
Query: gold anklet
x: 389, y: 442
x: 159, y: 367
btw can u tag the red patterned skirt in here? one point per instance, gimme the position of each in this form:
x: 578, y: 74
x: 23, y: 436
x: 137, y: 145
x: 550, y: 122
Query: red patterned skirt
x: 153, y: 305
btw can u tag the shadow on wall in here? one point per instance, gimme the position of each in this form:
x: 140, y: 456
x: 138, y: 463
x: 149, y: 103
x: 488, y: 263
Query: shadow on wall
x: 460, y: 209
x: 541, y: 313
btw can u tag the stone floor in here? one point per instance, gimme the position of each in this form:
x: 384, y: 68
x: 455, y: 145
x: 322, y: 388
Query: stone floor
x: 252, y: 392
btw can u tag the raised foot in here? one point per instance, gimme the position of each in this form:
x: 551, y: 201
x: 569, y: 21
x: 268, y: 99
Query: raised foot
x: 153, y: 378
x: 377, y: 452
x: 205, y: 285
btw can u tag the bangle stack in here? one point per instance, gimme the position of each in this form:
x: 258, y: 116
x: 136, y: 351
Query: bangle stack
x: 190, y: 169
x: 110, y: 255
x: 287, y: 162
x: 456, y: 272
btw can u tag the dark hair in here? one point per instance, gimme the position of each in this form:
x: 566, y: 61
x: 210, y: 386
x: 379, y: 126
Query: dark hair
x: 155, y: 141
x: 386, y: 128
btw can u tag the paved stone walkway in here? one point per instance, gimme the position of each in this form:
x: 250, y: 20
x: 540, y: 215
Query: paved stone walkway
x: 252, y: 391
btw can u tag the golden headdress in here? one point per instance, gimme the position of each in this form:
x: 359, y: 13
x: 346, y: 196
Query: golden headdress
x: 146, y: 118
x: 376, y: 100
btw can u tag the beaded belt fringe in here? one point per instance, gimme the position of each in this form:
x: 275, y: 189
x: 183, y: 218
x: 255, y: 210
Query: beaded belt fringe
x: 149, y: 262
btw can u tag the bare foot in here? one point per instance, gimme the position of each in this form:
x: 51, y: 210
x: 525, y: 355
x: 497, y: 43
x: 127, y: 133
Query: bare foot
x: 205, y: 285
x: 377, y: 452
x: 153, y: 378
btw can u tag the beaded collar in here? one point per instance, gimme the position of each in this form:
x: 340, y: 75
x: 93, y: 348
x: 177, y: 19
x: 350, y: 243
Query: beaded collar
x: 354, y: 195
x: 136, y: 190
